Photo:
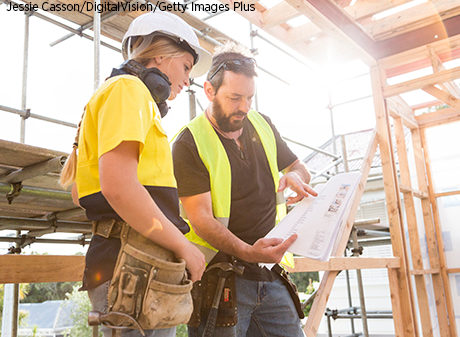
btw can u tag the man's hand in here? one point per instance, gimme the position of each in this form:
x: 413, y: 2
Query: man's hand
x: 296, y: 184
x: 268, y: 250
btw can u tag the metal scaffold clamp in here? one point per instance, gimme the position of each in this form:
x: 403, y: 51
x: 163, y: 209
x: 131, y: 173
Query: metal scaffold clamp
x: 15, y: 192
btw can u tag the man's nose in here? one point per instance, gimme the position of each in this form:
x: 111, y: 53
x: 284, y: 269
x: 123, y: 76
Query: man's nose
x: 245, y: 105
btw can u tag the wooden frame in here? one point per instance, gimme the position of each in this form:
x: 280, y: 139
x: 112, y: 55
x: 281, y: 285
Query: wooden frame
x: 388, y: 103
x: 408, y: 41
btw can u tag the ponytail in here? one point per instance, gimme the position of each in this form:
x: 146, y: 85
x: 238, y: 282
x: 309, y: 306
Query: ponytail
x: 160, y: 46
x: 69, y: 171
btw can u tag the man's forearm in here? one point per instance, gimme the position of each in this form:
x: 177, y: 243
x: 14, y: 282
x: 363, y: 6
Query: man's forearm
x: 220, y: 237
x: 299, y: 168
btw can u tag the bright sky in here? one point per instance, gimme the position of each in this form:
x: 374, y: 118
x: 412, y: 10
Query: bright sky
x: 60, y: 82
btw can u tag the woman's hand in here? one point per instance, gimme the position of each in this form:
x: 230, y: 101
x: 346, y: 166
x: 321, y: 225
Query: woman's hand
x: 194, y: 260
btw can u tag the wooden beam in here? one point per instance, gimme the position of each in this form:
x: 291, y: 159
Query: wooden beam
x: 428, y: 13
x: 430, y: 236
x: 443, y: 96
x: 416, y: 193
x: 421, y: 63
x: 425, y: 271
x: 453, y: 270
x: 368, y: 8
x: 278, y: 14
x: 324, y: 49
x: 279, y: 32
x: 393, y: 207
x: 414, y: 236
x: 438, y: 117
x: 426, y: 105
x: 332, y: 20
x: 419, y: 57
x: 437, y: 65
x: 327, y: 281
x: 446, y: 194
x: 399, y: 108
x: 302, y: 33
x: 439, y: 237
x: 420, y: 37
x: 393, y: 282
x: 303, y: 264
x: 41, y: 268
x: 421, y: 82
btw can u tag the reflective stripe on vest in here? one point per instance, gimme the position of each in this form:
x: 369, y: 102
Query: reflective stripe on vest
x: 215, y: 159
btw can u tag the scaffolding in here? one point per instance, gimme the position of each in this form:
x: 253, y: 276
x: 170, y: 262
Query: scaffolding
x: 41, y: 208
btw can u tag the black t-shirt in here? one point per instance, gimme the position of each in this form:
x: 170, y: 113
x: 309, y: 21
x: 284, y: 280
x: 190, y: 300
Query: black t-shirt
x: 253, y: 198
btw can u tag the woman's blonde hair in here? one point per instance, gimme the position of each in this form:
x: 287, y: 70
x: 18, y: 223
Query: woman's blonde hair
x: 160, y: 47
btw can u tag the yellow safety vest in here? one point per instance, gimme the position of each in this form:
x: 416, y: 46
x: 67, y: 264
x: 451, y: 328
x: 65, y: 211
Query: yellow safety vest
x: 214, y: 157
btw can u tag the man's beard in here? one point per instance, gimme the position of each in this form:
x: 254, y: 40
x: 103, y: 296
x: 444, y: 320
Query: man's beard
x: 224, y: 122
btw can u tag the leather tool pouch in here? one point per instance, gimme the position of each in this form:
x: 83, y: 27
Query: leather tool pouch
x: 149, y: 283
x: 203, y: 294
x: 291, y: 287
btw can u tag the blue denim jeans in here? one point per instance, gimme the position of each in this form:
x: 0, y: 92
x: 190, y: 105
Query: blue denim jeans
x: 98, y: 297
x: 265, y: 309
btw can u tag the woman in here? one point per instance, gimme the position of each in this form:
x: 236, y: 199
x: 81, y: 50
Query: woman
x: 124, y: 168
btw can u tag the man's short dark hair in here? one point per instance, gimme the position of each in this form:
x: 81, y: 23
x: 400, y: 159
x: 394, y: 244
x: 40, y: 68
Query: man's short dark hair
x: 230, y: 51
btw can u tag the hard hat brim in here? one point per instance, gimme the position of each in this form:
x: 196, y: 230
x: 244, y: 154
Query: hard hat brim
x: 169, y: 24
x: 203, y: 64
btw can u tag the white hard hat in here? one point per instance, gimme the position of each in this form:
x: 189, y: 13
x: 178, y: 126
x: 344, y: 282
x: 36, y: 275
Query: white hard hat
x: 167, y: 24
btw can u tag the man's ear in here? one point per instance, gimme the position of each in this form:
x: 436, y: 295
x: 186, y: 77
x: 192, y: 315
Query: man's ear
x: 209, y: 91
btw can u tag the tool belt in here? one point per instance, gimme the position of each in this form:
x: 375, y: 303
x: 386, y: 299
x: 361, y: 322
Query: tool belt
x: 291, y: 287
x: 204, y: 293
x: 149, y: 283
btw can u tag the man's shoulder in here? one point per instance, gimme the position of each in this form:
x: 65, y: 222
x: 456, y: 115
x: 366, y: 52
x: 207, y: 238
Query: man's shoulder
x: 267, y: 119
x: 184, y: 138
x: 264, y: 116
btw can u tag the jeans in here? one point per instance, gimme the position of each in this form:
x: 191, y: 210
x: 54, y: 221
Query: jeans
x: 265, y: 309
x: 98, y: 297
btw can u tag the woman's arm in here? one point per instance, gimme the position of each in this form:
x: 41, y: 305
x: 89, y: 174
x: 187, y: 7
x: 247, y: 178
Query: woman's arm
x: 129, y: 198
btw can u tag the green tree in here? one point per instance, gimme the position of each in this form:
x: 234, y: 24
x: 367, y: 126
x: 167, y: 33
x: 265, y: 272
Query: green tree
x: 181, y: 330
x: 302, y: 280
x: 79, y: 315
x: 53, y: 291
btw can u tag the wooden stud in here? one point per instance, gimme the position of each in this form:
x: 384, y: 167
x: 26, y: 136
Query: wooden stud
x: 439, y: 238
x: 393, y: 278
x: 446, y: 49
x: 399, y: 108
x: 303, y: 264
x: 437, y: 65
x: 426, y: 105
x: 41, y: 268
x: 432, y: 247
x: 414, y: 238
x: 422, y: 82
x: 278, y: 14
x: 304, y: 32
x: 425, y: 271
x: 413, y: 18
x: 438, y: 117
x: 325, y: 288
x: 416, y: 193
x: 393, y: 206
x: 446, y: 194
x: 443, y: 96
x: 329, y: 28
x: 368, y: 8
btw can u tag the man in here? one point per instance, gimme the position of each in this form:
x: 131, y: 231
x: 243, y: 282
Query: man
x: 227, y: 164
